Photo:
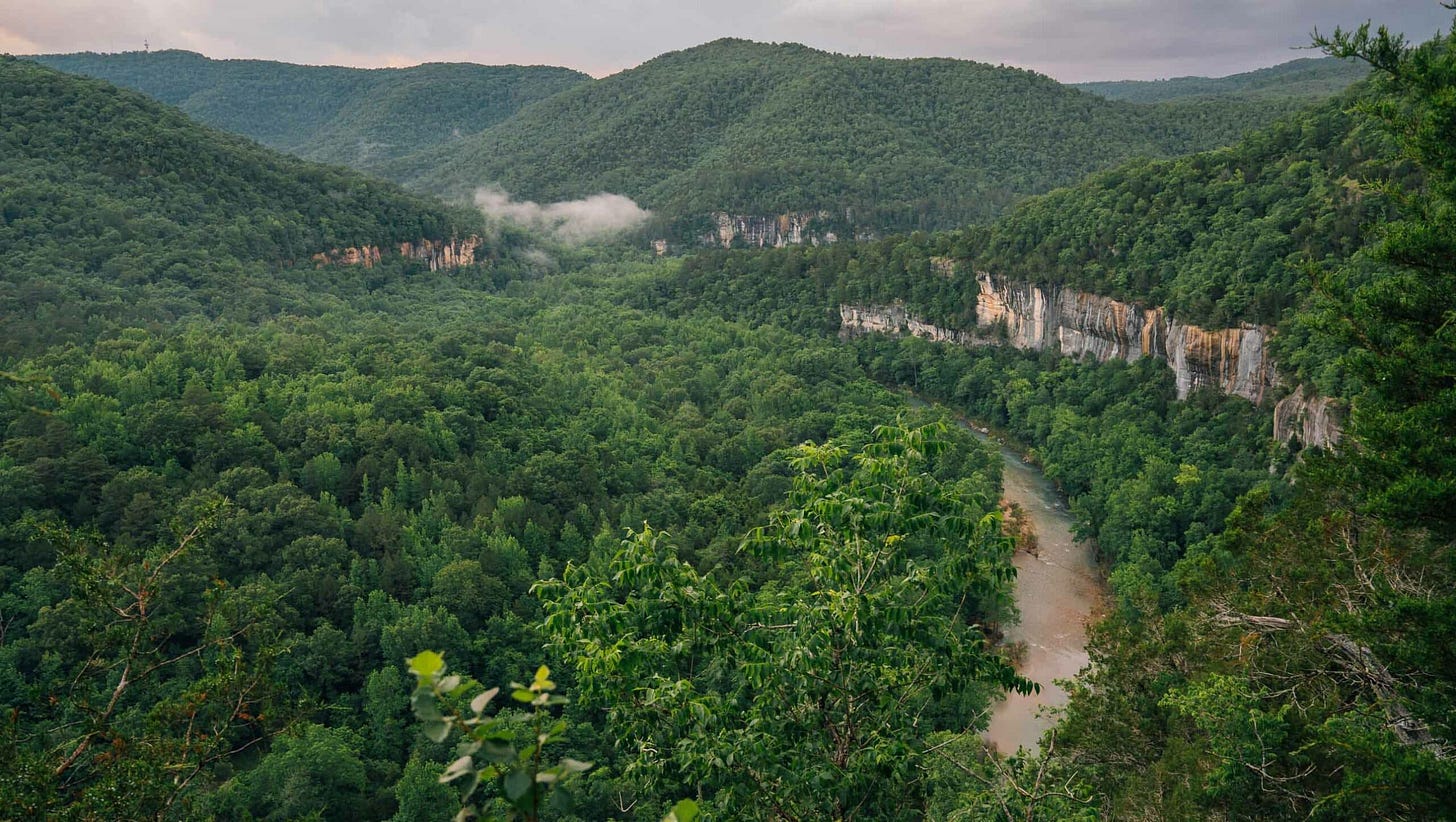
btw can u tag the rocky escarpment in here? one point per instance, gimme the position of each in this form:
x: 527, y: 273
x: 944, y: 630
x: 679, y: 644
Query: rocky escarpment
x: 1307, y: 418
x: 753, y: 231
x: 793, y: 228
x: 439, y: 255
x: 1230, y: 360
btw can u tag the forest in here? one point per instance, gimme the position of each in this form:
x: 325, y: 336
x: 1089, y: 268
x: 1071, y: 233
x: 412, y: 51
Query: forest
x: 589, y: 533
x: 330, y: 114
x: 748, y: 128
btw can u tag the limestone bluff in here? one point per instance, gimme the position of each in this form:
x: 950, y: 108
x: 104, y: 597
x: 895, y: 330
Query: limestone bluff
x: 1076, y: 323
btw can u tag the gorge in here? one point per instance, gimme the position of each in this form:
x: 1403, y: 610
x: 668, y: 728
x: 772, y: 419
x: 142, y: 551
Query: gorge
x: 1033, y: 317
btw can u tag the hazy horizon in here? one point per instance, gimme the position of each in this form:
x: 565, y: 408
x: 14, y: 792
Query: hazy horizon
x: 1098, y: 40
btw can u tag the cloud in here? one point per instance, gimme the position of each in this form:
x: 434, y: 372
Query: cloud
x: 1071, y: 40
x: 573, y: 221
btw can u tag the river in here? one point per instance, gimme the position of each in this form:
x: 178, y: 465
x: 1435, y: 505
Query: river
x: 1057, y: 591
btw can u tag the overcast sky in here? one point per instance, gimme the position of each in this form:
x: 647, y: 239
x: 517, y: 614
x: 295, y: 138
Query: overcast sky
x: 1070, y: 40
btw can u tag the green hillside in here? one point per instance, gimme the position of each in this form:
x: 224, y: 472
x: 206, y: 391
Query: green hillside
x: 270, y: 532
x: 104, y: 191
x: 349, y: 116
x: 736, y: 126
x: 755, y: 128
x: 1272, y: 649
x: 1306, y: 78
x: 236, y: 494
x: 1218, y: 237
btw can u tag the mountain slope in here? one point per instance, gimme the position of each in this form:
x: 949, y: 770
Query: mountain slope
x: 102, y: 188
x: 763, y: 129
x: 1306, y: 78
x: 356, y: 117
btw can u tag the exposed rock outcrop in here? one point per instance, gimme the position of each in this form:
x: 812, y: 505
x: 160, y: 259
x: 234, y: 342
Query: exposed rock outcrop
x: 1230, y: 360
x: 437, y: 254
x: 1310, y: 419
x: 794, y: 228
x: 1081, y: 324
x: 443, y: 254
x: 895, y: 320
x: 365, y: 255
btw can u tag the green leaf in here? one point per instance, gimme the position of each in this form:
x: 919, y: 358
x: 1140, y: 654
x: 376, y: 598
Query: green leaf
x: 426, y: 708
x: 561, y: 800
x: 684, y: 811
x: 426, y: 664
x: 496, y: 752
x: 522, y: 695
x: 436, y: 729
x: 516, y: 784
x: 478, y: 704
x: 457, y: 769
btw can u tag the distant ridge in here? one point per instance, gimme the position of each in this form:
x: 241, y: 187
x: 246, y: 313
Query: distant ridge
x: 108, y: 194
x: 1306, y: 78
x: 334, y: 114
x: 885, y: 144
x: 852, y: 146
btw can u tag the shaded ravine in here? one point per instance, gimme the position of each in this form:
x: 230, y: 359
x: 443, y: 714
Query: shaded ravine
x: 1057, y: 591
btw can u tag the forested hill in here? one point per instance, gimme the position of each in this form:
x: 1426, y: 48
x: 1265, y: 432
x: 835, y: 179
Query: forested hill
x: 235, y: 496
x: 754, y: 128
x: 1218, y: 238
x: 1291, y: 655
x: 1307, y: 78
x: 355, y: 117
x: 731, y: 126
x: 103, y: 189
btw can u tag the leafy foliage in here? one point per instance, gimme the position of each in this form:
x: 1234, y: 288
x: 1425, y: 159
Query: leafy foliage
x: 750, y: 128
x: 330, y: 114
x: 487, y: 752
x: 803, y: 693
x: 1308, y: 77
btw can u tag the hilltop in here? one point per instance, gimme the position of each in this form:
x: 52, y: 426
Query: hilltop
x: 103, y: 190
x: 755, y: 128
x: 1306, y: 78
x: 856, y: 143
x: 332, y: 114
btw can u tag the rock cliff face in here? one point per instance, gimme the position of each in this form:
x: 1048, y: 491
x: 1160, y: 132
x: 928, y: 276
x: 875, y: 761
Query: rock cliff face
x: 437, y: 254
x: 442, y: 254
x: 1077, y: 323
x: 1307, y: 418
x: 794, y: 228
x: 1231, y: 360
x: 894, y: 319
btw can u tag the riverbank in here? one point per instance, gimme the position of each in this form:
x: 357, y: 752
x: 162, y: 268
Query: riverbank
x: 1059, y: 590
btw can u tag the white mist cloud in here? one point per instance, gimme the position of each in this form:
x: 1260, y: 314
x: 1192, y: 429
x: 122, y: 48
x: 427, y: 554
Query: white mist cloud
x: 573, y: 221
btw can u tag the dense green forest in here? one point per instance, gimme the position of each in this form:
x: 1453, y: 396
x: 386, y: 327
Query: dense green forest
x: 753, y: 128
x: 712, y: 554
x: 119, y: 210
x: 1311, y: 78
x: 332, y: 114
x: 733, y: 126
x: 1217, y: 238
x: 237, y: 494
x: 1272, y: 650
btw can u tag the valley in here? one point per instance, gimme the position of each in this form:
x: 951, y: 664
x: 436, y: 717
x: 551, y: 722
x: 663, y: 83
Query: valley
x: 501, y: 441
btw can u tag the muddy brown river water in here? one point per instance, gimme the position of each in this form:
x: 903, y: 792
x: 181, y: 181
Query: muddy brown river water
x: 1057, y: 591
